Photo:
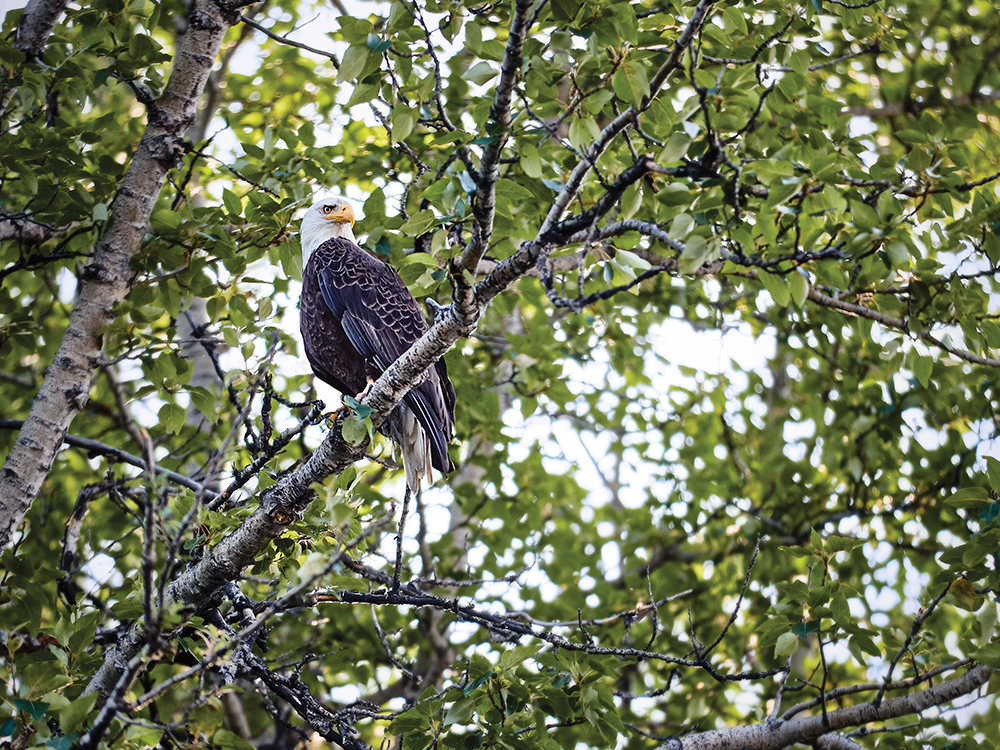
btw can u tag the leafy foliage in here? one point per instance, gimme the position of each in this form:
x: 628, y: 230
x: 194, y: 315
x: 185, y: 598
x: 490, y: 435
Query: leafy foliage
x: 642, y: 540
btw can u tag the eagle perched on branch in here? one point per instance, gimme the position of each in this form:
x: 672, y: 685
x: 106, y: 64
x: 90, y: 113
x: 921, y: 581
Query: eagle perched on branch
x: 356, y: 318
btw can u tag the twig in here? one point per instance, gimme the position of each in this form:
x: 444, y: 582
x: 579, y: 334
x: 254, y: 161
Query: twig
x: 918, y: 622
x: 285, y: 40
x: 398, y: 568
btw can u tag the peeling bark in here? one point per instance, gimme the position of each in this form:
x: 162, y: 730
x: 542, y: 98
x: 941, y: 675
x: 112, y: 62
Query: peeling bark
x: 108, y: 278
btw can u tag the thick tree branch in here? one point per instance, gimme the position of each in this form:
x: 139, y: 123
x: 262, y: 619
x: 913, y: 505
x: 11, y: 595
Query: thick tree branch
x: 773, y: 735
x: 28, y: 231
x: 108, y: 278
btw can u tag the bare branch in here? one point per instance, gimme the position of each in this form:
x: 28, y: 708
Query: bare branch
x: 292, y: 43
x: 918, y: 622
x: 508, y: 626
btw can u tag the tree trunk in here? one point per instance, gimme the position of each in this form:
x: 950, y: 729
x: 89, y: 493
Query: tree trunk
x: 38, y: 19
x: 107, y: 279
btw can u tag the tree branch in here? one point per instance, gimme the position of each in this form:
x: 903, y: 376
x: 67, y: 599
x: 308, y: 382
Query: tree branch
x: 773, y: 735
x: 94, y: 446
x: 498, y: 129
x: 895, y: 109
x: 890, y: 321
x: 20, y: 227
x: 285, y: 40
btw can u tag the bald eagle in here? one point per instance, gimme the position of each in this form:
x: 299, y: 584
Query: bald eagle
x: 356, y: 318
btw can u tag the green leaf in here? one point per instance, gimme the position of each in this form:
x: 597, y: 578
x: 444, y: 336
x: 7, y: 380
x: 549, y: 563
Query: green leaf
x: 631, y: 84
x: 476, y: 683
x: 517, y: 655
x: 408, y: 722
x: 233, y: 204
x: 480, y: 73
x: 362, y: 410
x: 969, y: 497
x: 993, y: 472
x: 988, y: 655
x: 378, y: 45
x: 923, y: 366
x: 632, y: 261
x: 583, y: 131
x: 531, y: 163
x: 352, y: 64
x: 697, y: 252
x: 354, y: 430
x: 777, y: 286
x: 402, y: 121
x: 787, y: 644
x: 473, y: 37
x: 35, y: 709
x: 226, y: 739
x: 865, y: 644
x: 418, y: 223
x: 798, y: 286
x: 204, y: 401
x: 681, y: 226
x: 565, y: 10
x: 171, y: 418
x: 675, y: 149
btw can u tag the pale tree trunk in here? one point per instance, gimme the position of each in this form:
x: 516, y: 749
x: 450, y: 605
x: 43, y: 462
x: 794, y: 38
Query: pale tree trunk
x: 108, y: 278
x: 38, y: 19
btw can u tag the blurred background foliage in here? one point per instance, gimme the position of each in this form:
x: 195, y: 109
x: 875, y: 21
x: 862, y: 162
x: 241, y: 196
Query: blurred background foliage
x: 637, y: 451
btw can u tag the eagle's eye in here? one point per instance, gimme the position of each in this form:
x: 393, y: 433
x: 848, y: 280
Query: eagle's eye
x: 328, y: 209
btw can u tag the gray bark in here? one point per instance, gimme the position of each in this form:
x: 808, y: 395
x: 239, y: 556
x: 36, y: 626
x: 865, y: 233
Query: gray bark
x: 28, y: 231
x: 773, y: 735
x: 108, y: 278
x: 38, y: 19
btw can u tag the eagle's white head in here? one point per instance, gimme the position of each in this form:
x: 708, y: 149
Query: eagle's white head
x: 325, y: 219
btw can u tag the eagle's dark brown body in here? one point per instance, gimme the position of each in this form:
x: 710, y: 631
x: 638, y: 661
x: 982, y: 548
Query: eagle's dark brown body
x: 356, y: 318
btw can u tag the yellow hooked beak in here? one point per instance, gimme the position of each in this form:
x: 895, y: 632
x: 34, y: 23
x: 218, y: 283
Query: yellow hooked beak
x: 341, y: 213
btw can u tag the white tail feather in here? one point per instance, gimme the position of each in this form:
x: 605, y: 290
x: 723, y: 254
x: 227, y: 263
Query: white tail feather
x: 416, y: 450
